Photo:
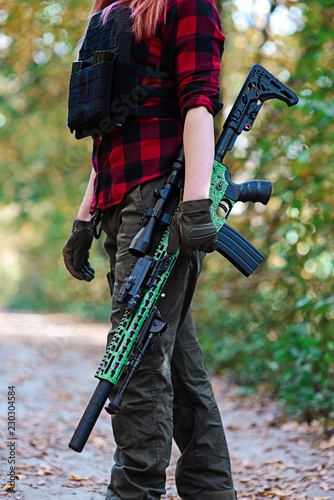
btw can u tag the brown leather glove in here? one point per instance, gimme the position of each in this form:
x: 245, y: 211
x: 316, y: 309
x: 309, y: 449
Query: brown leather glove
x: 76, y: 250
x: 192, y: 228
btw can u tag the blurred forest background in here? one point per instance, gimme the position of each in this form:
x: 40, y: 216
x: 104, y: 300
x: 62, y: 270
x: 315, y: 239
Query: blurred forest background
x: 274, y: 327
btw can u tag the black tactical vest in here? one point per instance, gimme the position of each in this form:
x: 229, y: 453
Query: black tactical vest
x: 104, y: 89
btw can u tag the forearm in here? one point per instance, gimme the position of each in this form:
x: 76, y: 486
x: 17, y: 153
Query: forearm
x: 84, y: 213
x: 198, y: 141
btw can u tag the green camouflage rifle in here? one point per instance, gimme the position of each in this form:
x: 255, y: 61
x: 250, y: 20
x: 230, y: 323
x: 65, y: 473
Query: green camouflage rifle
x: 141, y: 322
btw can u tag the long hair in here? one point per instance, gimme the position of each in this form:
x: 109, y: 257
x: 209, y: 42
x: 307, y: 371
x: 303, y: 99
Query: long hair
x: 145, y: 13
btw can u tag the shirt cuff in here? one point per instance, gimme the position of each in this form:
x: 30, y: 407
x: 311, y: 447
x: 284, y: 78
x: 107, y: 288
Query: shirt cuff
x: 201, y: 100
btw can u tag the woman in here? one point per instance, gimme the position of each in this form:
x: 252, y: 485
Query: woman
x: 179, y: 42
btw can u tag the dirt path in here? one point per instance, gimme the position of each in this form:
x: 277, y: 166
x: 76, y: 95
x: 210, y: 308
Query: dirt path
x: 51, y: 361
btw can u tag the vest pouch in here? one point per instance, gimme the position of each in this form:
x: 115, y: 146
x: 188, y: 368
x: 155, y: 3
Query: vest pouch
x: 90, y: 96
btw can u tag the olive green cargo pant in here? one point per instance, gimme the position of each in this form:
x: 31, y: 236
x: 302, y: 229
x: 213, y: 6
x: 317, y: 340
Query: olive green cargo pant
x: 170, y: 395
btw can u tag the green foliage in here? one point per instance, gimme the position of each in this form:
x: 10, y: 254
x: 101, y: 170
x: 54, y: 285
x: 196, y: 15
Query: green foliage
x: 276, y: 326
x: 44, y: 170
x: 295, y: 357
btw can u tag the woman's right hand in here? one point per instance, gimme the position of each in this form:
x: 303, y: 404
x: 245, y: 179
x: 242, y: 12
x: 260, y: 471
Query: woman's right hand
x: 192, y: 228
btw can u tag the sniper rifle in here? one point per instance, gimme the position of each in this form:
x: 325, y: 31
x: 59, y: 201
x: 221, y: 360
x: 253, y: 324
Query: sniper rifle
x: 141, y: 322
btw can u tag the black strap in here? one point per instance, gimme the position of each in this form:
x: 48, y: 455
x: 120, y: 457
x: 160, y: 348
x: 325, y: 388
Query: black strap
x: 124, y: 23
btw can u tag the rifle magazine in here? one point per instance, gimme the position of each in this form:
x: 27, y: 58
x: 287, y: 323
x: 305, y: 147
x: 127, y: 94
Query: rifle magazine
x: 238, y: 250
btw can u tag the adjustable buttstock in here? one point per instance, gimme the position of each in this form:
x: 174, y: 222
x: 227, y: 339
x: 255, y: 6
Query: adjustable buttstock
x: 259, y: 86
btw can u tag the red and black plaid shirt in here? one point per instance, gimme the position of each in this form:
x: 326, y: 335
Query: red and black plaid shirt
x: 188, y: 44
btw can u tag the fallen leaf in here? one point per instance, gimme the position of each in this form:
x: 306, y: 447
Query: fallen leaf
x: 74, y: 477
x: 20, y: 477
x: 8, y: 487
x: 278, y: 493
x: 41, y: 472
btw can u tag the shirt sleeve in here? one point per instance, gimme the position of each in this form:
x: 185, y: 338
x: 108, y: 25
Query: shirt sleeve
x: 193, y: 45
